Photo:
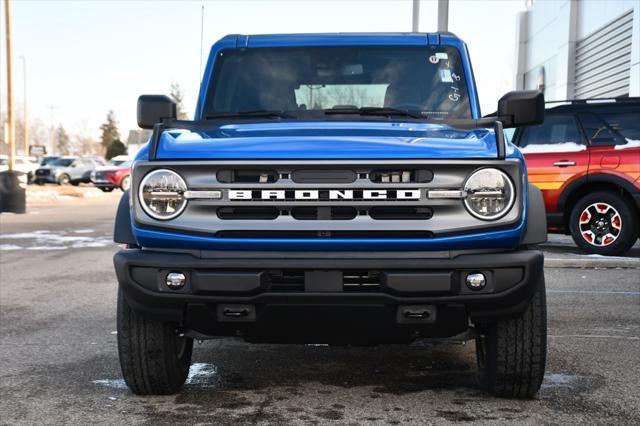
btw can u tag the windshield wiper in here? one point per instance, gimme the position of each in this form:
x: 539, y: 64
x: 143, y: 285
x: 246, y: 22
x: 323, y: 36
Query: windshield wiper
x: 250, y: 114
x: 384, y: 111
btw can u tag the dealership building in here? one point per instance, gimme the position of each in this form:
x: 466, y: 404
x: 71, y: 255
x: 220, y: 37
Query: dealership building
x: 575, y: 49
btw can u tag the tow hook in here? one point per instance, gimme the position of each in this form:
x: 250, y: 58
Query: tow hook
x: 416, y: 314
x: 233, y: 312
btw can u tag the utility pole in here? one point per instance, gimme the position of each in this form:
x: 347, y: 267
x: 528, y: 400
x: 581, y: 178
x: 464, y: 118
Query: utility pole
x: 24, y: 100
x: 443, y: 15
x: 10, y: 118
x: 415, y: 23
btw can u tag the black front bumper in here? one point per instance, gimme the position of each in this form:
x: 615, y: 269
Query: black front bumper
x: 316, y: 296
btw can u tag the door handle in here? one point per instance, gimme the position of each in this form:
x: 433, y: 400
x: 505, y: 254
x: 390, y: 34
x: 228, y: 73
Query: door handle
x: 564, y: 163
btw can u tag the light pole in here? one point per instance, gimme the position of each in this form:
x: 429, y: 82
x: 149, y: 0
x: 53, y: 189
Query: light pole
x: 24, y: 99
x: 443, y: 15
x: 415, y: 21
x: 10, y: 118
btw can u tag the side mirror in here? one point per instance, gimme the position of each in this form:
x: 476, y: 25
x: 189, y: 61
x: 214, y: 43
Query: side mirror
x: 521, y: 108
x: 153, y: 109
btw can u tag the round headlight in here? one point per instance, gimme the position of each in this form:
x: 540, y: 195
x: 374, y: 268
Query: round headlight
x: 162, y: 194
x: 490, y: 194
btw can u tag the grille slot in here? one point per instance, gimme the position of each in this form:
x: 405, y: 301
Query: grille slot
x: 248, y: 213
x: 400, y: 213
x: 401, y: 176
x: 324, y: 213
x: 247, y: 176
x: 361, y: 281
x: 323, y: 176
x: 286, y: 280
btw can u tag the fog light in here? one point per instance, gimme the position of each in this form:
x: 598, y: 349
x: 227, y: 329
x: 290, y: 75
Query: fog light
x: 476, y: 281
x: 175, y: 280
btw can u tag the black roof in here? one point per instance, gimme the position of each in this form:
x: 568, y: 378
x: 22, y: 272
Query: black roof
x: 594, y: 105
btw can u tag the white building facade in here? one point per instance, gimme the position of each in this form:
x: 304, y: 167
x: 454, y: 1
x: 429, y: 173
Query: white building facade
x: 579, y: 49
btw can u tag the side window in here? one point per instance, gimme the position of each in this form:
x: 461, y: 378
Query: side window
x: 557, y: 133
x: 625, y: 125
x: 597, y: 131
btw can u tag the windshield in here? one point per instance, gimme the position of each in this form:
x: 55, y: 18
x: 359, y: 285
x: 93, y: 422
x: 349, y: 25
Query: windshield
x: 48, y: 160
x: 113, y: 162
x: 62, y: 162
x: 425, y: 79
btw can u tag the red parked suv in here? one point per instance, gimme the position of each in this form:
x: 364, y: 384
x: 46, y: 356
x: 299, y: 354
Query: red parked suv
x: 585, y: 158
x: 116, y: 174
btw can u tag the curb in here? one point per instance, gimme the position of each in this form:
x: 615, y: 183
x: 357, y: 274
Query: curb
x: 592, y: 262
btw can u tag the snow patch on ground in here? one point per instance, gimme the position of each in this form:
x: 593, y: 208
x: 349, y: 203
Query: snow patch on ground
x: 552, y: 147
x: 201, y: 374
x: 47, y: 240
x: 83, y: 231
x: 111, y: 383
x: 558, y: 380
x: 631, y: 143
x: 9, y: 247
x: 46, y: 248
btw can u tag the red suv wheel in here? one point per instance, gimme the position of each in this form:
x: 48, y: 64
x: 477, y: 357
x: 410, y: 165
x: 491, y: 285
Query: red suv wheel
x: 603, y: 223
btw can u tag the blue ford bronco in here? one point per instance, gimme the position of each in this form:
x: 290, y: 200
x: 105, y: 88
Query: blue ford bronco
x: 338, y: 189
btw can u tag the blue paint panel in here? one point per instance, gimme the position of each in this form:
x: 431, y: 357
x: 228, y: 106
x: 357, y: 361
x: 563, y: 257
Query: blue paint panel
x: 329, y: 140
x: 495, y: 239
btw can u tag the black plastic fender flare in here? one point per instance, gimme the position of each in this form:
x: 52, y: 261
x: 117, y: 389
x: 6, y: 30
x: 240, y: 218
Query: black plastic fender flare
x: 536, y: 217
x: 122, y: 232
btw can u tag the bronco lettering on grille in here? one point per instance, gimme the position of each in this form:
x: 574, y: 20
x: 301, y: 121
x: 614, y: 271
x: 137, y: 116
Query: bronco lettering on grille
x: 323, y: 194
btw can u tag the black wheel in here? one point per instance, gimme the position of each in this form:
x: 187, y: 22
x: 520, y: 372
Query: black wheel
x: 154, y: 359
x: 603, y: 223
x: 512, y: 353
x: 64, y: 179
x: 106, y: 189
x: 125, y: 183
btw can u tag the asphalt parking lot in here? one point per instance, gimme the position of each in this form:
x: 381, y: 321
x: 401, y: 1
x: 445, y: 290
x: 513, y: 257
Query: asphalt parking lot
x: 59, y: 362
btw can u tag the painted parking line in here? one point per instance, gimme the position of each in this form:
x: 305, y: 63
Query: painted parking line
x: 595, y: 292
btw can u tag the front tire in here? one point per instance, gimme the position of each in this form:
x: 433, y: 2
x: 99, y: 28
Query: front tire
x: 154, y: 359
x: 512, y: 353
x: 106, y: 189
x: 603, y: 223
x: 64, y: 179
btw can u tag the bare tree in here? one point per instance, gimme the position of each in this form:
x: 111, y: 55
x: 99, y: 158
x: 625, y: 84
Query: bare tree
x: 178, y: 97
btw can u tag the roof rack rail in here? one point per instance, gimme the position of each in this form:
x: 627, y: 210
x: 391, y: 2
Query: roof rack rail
x: 594, y: 100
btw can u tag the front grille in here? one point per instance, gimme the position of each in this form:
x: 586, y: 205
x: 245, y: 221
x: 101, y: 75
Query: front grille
x: 322, y: 199
x: 42, y: 172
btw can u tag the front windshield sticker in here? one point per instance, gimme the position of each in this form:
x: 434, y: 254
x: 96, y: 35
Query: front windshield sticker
x: 442, y: 55
x: 433, y: 59
x: 445, y: 76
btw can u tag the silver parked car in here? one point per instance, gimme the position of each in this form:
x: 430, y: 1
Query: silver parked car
x: 68, y: 170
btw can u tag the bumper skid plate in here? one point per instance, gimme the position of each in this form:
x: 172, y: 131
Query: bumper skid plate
x: 321, y: 297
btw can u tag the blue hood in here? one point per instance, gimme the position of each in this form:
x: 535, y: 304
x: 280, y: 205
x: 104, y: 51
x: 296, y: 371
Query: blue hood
x: 328, y: 140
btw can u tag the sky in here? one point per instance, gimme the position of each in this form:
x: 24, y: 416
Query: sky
x: 87, y: 57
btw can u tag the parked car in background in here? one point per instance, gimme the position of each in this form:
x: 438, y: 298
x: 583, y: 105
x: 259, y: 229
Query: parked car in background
x: 116, y: 174
x: 68, y: 170
x: 26, y: 165
x: 585, y: 158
